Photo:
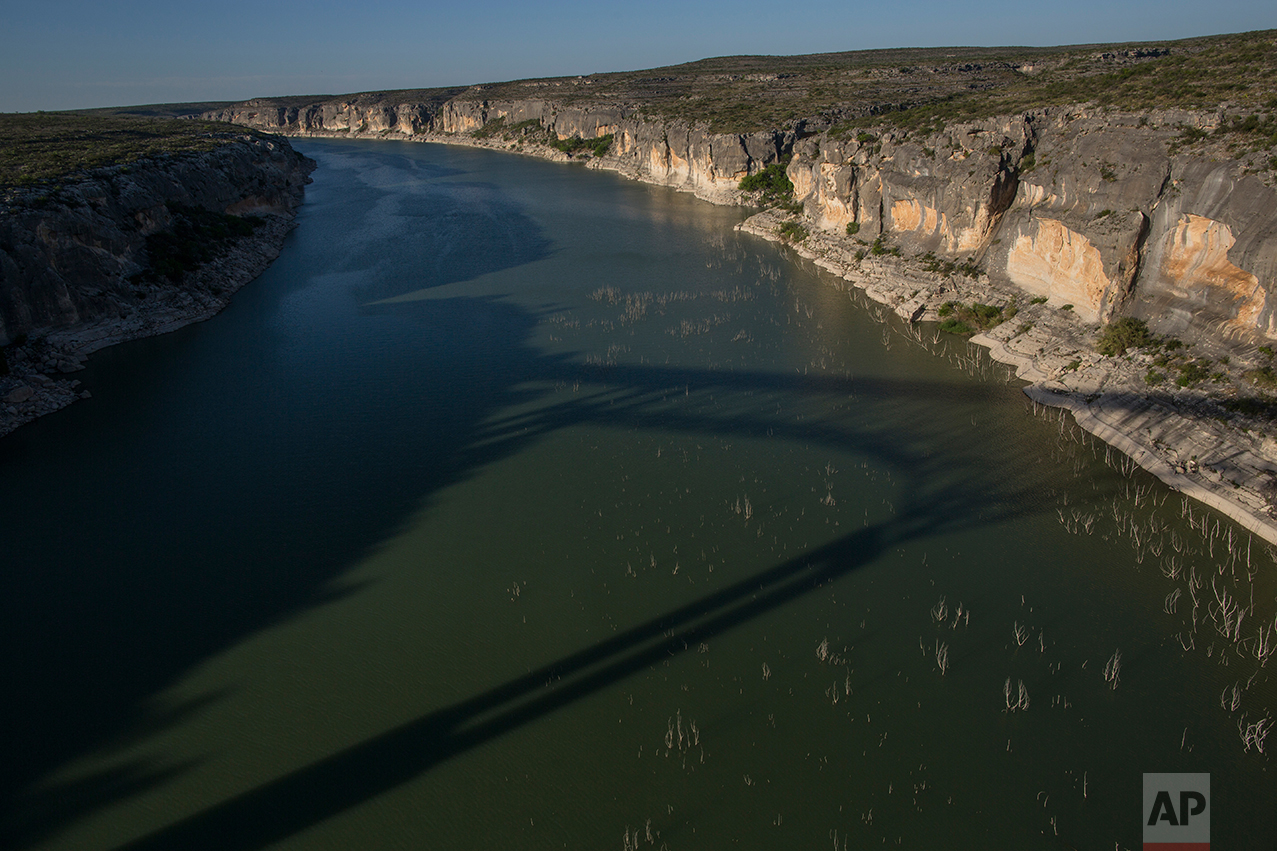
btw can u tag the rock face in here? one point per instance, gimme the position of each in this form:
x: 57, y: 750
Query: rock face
x: 67, y: 261
x: 68, y: 282
x: 685, y: 156
x: 1087, y: 210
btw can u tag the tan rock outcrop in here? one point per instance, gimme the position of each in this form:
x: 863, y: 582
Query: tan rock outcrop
x: 1196, y: 256
x: 1061, y: 265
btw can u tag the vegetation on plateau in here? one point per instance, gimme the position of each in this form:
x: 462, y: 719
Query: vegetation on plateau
x: 45, y: 148
x: 926, y: 89
x: 1200, y: 73
x: 911, y: 90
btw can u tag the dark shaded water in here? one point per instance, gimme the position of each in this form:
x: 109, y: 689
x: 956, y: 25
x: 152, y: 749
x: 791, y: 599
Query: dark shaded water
x: 520, y: 506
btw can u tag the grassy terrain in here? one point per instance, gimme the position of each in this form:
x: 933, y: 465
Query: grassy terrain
x: 914, y: 89
x: 1238, y: 71
x: 44, y: 148
x: 157, y: 110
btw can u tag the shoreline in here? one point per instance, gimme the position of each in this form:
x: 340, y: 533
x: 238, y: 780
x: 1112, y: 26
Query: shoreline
x: 1171, y: 434
x: 35, y: 385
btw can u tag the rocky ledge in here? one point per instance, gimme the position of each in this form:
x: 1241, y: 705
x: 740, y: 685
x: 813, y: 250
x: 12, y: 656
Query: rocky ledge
x: 1180, y: 434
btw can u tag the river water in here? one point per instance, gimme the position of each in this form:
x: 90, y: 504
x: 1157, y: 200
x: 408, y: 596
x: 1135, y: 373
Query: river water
x: 521, y: 506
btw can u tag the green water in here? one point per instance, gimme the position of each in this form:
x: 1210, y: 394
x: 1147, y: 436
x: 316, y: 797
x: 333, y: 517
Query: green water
x: 520, y: 506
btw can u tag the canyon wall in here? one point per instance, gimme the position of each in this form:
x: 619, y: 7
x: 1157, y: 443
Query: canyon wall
x: 1083, y: 208
x: 71, y: 256
x: 1087, y: 210
x: 678, y: 154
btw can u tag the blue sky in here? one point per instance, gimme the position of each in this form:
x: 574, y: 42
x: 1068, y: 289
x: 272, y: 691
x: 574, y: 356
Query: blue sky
x: 66, y: 54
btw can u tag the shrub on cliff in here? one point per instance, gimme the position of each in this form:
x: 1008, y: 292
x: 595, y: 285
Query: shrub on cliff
x: 496, y: 125
x: 1122, y: 334
x: 770, y: 187
x: 597, y: 146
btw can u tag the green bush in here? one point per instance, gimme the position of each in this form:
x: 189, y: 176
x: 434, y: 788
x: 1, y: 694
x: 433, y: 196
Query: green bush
x: 770, y: 187
x: 853, y: 228
x: 956, y: 326
x: 1122, y: 334
x: 792, y: 231
x: 977, y: 317
x: 1264, y: 378
x: 985, y: 313
x: 1193, y: 372
x: 598, y: 146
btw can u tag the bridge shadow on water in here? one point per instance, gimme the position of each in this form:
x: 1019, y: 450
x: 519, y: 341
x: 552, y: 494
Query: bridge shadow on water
x: 91, y: 708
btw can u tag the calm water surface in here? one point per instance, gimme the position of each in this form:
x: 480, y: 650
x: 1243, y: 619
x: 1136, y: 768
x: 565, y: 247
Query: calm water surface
x: 520, y: 506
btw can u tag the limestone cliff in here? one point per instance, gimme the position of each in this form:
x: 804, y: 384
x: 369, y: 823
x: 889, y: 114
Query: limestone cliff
x: 1080, y: 207
x: 1083, y: 209
x: 671, y: 153
x: 1074, y: 216
x: 73, y: 255
x: 76, y: 271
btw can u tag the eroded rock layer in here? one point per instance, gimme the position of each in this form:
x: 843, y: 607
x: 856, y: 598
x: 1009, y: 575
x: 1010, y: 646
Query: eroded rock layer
x: 74, y: 256
x: 1085, y: 209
